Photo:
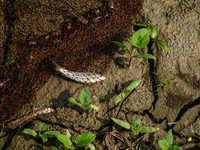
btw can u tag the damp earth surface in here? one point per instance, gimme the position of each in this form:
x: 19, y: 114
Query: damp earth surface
x: 177, y: 107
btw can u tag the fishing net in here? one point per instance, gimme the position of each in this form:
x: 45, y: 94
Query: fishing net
x: 35, y: 32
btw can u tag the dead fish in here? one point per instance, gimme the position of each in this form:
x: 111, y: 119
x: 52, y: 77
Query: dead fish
x: 83, y: 77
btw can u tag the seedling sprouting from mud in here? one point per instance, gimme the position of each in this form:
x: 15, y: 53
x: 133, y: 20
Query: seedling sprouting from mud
x: 135, y: 126
x: 32, y: 5
x: 155, y: 73
x: 163, y: 86
x: 7, y: 64
x: 139, y: 40
x: 154, y: 35
x: 167, y: 145
x: 81, y: 141
x: 104, y: 97
x: 128, y: 89
x: 44, y: 136
x: 84, y: 98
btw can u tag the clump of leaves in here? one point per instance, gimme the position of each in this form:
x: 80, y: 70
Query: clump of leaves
x: 163, y: 86
x: 7, y: 64
x: 139, y: 40
x: 128, y: 89
x: 155, y: 73
x: 81, y: 141
x: 33, y: 5
x: 167, y: 145
x: 84, y: 98
x: 135, y: 126
x: 44, y: 136
x: 104, y: 97
x: 154, y: 35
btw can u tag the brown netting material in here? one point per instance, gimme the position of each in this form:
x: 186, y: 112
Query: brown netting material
x: 83, y: 48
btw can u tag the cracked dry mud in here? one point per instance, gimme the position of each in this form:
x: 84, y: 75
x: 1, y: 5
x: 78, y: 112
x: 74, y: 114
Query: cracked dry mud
x: 177, y: 108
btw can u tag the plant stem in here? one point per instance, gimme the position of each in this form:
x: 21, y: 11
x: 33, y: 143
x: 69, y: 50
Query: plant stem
x: 129, y: 62
x: 152, y: 45
x: 121, y: 106
x: 130, y: 58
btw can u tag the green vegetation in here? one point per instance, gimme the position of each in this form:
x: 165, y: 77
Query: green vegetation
x: 139, y: 40
x: 105, y: 98
x: 167, y: 145
x: 128, y: 89
x: 81, y: 141
x: 7, y: 64
x: 44, y: 136
x: 163, y: 86
x: 154, y: 35
x: 135, y: 126
x: 33, y: 5
x: 84, y: 98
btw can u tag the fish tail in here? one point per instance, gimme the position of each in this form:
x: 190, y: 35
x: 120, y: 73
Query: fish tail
x: 57, y: 66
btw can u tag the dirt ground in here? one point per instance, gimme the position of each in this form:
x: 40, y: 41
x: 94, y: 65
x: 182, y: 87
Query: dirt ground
x: 177, y: 107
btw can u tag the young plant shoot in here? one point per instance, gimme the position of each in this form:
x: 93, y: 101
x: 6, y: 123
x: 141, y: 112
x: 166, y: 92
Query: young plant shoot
x: 167, y: 145
x: 139, y: 40
x: 163, y: 86
x: 154, y: 35
x: 81, y: 141
x: 44, y: 136
x: 128, y: 89
x: 135, y: 126
x: 84, y: 98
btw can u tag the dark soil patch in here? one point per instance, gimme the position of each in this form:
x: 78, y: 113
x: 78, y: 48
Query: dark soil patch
x: 82, y: 48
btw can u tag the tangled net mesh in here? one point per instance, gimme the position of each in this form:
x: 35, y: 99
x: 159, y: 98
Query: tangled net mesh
x: 36, y: 33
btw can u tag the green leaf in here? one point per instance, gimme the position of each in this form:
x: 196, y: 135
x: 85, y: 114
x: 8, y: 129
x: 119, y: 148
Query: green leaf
x: 91, y: 146
x: 65, y: 140
x: 169, y: 137
x: 122, y: 46
x: 54, y: 148
x: 160, y: 85
x: 121, y: 123
x: 136, y: 124
x: 174, y: 147
x: 132, y: 86
x: 44, y: 138
x: 147, y: 129
x: 163, y: 144
x: 106, y: 98
x: 84, y: 139
x: 51, y: 134
x: 84, y: 107
x: 141, y: 25
x: 42, y: 126
x: 30, y: 131
x: 135, y: 132
x: 73, y: 100
x: 94, y: 107
x: 141, y: 37
x: 85, y: 97
x: 153, y: 30
x: 149, y: 56
x: 119, y: 98
x: 133, y: 44
x: 161, y: 43
x: 68, y: 135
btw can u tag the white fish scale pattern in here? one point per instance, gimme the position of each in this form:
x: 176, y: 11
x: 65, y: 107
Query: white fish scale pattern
x: 83, y: 77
